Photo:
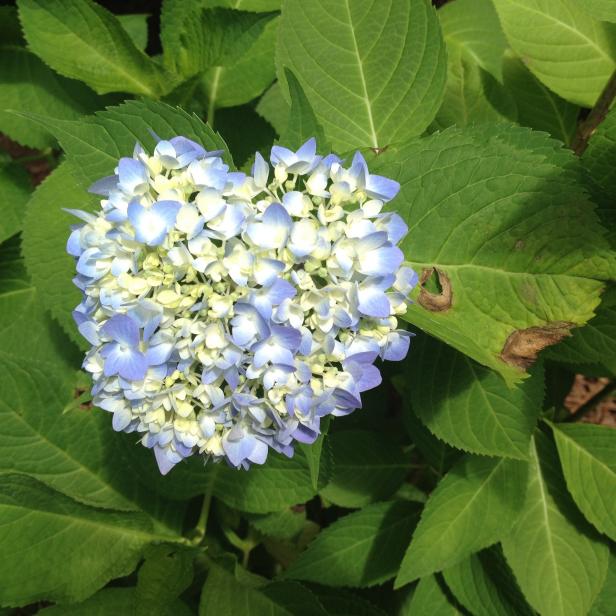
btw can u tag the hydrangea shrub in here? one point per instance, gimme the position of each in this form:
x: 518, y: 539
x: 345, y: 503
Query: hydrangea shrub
x: 292, y: 297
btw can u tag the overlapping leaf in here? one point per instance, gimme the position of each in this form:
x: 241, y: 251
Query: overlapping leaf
x: 497, y: 215
x: 557, y: 560
x: 374, y: 72
x: 566, y: 49
x: 15, y: 190
x: 588, y: 457
x: 361, y: 549
x: 55, y: 548
x: 82, y: 40
x: 473, y: 507
x: 469, y: 406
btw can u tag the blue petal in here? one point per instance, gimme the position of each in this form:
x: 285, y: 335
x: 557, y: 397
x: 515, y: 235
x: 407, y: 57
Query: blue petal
x: 122, y: 329
x: 379, y: 187
x: 104, y: 186
x: 133, y: 175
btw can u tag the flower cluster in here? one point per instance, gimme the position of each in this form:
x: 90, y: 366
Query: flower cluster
x: 229, y: 313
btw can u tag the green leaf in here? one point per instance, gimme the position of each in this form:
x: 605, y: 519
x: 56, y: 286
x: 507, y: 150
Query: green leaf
x: 430, y: 597
x: 73, y: 450
x: 166, y: 573
x: 374, y: 72
x: 598, y: 161
x: 556, y: 559
x: 57, y: 549
x: 46, y: 229
x: 485, y: 586
x: 472, y: 26
x: 498, y: 216
x: 259, y: 6
x: 472, y: 95
x: 136, y: 25
x: 26, y: 330
x: 605, y: 10
x: 606, y: 599
x: 209, y: 37
x: 82, y: 40
x: 277, y: 484
x: 318, y: 458
x: 26, y: 84
x: 96, y: 143
x: 10, y: 30
x: 368, y: 467
x: 472, y: 507
x: 588, y: 456
x: 15, y: 189
x: 274, y: 108
x: 565, y: 48
x: 537, y: 106
x: 229, y: 591
x: 469, y: 406
x: 302, y: 123
x: 247, y: 78
x: 361, y: 549
x: 596, y: 341
x: 284, y: 524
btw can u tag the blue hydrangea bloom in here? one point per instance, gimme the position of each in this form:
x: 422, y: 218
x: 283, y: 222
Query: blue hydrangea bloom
x: 229, y: 313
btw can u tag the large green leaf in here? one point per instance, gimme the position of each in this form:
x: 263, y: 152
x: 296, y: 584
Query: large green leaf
x: 27, y: 84
x: 536, y: 105
x: 239, y: 83
x: 566, y: 49
x: 430, y: 597
x: 231, y: 590
x: 368, y: 467
x: 475, y: 504
x: 497, y: 215
x: 374, y: 72
x: 82, y: 40
x: 337, y: 602
x: 485, y: 586
x: 588, y: 457
x: 136, y: 25
x: 469, y: 406
x: 48, y: 436
x: 557, y: 560
x: 55, y: 548
x: 361, y: 549
x: 15, y: 189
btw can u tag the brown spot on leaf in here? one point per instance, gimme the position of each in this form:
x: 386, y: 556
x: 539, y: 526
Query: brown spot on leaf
x: 378, y: 151
x: 522, y: 346
x: 435, y: 302
x: 519, y: 245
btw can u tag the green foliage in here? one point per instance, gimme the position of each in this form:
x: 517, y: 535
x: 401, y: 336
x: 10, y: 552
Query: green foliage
x: 366, y: 91
x: 474, y: 506
x: 589, y: 465
x: 82, y: 40
x: 557, y: 560
x: 361, y: 549
x: 479, y: 204
x: 367, y: 467
x: 469, y: 406
x: 450, y: 482
x: 56, y: 548
x: 565, y: 48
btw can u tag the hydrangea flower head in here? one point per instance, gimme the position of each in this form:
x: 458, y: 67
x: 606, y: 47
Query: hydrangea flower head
x: 229, y: 313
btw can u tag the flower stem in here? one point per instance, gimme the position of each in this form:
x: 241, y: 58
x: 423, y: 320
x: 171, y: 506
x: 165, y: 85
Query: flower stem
x: 201, y: 527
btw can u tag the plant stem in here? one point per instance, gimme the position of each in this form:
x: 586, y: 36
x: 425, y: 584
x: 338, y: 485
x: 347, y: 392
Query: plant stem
x: 589, y: 405
x: 595, y: 117
x: 201, y: 526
